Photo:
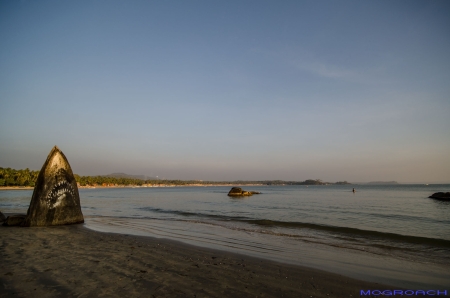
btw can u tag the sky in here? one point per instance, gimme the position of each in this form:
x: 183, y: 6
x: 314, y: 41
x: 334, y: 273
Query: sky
x: 229, y: 90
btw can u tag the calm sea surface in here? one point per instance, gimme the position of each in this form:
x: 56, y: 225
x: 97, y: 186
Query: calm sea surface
x: 391, y: 234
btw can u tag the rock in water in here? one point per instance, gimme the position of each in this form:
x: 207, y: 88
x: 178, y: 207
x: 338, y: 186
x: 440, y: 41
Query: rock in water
x: 441, y: 196
x: 55, y: 200
x: 238, y: 192
x: 14, y: 220
x: 2, y: 217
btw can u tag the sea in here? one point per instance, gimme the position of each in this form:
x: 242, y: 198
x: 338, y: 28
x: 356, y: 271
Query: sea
x: 390, y: 234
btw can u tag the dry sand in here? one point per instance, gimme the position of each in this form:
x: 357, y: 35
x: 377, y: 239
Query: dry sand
x: 73, y: 261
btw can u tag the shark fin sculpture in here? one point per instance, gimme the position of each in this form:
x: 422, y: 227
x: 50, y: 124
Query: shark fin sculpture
x: 55, y: 199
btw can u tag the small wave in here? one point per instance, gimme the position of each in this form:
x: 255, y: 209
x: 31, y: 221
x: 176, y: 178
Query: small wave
x: 187, y: 213
x: 355, y: 231
x: 250, y: 237
x: 344, y: 231
x: 406, y: 218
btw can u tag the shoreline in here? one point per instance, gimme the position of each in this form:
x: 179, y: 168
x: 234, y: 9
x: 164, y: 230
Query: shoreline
x: 196, y: 185
x: 335, y: 259
x: 357, y: 263
x: 137, y: 186
x: 74, y: 260
x: 16, y: 188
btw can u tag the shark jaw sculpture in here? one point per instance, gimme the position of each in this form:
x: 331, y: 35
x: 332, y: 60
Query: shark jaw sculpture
x: 55, y: 199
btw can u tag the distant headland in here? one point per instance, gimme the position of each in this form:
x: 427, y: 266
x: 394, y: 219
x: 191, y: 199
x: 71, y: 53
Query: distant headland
x: 382, y: 182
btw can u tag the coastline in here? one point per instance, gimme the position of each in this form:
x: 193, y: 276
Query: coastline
x: 76, y: 261
x: 17, y: 188
x: 134, y: 186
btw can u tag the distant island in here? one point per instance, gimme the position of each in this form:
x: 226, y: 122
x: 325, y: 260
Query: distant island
x: 123, y: 175
x: 27, y: 178
x: 382, y: 182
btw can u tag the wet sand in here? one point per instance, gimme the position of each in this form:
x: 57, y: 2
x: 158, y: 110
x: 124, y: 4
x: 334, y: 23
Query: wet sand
x: 69, y: 261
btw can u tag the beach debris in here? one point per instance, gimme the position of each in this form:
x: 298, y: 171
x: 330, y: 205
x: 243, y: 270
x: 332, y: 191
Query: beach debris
x: 441, y: 196
x: 55, y: 199
x: 238, y: 192
x: 2, y: 217
x: 14, y: 220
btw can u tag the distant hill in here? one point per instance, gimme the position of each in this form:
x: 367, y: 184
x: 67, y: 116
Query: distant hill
x: 382, y: 182
x: 342, y: 183
x: 123, y: 175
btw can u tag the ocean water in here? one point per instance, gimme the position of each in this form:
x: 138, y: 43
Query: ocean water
x: 389, y: 234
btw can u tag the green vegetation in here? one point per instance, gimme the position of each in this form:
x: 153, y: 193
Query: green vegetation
x: 106, y: 181
x: 12, y: 177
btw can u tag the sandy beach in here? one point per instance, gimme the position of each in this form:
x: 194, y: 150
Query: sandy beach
x: 16, y: 188
x: 73, y: 261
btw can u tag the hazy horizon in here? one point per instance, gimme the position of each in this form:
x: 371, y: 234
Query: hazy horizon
x: 235, y: 90
x: 231, y: 180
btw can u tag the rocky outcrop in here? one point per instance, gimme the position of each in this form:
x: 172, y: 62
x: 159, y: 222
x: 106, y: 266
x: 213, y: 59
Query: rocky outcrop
x: 14, y: 220
x: 55, y: 199
x: 239, y: 192
x: 2, y: 217
x: 441, y: 196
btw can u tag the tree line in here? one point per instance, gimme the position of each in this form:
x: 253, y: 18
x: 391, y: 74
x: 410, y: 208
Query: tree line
x: 27, y: 177
x: 12, y: 177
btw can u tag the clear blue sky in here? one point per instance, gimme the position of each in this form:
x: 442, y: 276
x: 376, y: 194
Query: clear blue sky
x: 225, y: 90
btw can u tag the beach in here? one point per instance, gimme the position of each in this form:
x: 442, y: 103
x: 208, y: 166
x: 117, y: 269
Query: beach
x: 73, y: 261
x: 198, y: 242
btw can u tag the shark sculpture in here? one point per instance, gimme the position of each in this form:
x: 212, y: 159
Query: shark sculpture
x: 55, y: 199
